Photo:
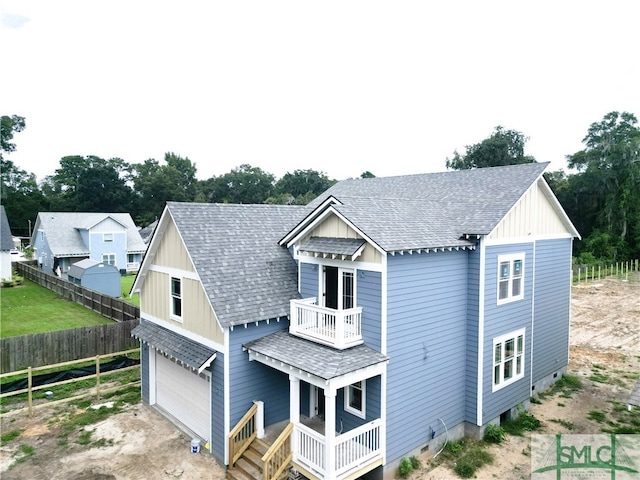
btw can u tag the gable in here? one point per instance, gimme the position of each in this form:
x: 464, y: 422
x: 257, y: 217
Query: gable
x: 171, y: 251
x: 334, y: 227
x: 536, y: 213
x: 108, y: 225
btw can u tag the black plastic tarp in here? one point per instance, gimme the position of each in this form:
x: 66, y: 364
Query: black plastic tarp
x: 46, y: 378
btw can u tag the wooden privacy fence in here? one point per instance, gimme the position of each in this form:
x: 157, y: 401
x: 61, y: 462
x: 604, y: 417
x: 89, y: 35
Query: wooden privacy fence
x: 65, y: 345
x: 97, y: 390
x: 582, y: 273
x: 107, y: 306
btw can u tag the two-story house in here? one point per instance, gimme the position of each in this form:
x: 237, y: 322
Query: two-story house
x: 62, y: 238
x: 386, y: 317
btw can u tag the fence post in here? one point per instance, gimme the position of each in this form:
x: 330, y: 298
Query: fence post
x: 29, y: 392
x: 599, y: 269
x: 98, y: 376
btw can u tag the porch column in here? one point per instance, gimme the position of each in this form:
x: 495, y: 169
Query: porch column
x: 330, y: 432
x: 294, y: 399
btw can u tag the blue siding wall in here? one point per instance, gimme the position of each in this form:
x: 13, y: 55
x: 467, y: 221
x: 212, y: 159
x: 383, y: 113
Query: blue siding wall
x: 503, y: 319
x: 427, y: 312
x: 118, y: 246
x: 103, y: 279
x: 552, y: 305
x: 219, y: 439
x: 308, y: 280
x: 368, y: 296
x: 473, y: 299
x: 251, y: 381
x: 346, y: 421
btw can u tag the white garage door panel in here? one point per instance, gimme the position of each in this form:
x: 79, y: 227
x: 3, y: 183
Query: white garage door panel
x: 184, y: 395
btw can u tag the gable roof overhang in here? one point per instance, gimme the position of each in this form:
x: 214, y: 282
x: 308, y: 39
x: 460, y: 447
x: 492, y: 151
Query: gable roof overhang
x: 188, y: 352
x: 89, y: 226
x: 307, y: 220
x: 317, y: 364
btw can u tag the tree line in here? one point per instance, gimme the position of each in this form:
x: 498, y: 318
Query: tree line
x: 600, y: 193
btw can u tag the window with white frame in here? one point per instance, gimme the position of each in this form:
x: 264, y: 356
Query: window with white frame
x: 109, y: 258
x: 355, y: 399
x: 107, y: 237
x: 508, y: 359
x: 176, y: 298
x: 510, y: 278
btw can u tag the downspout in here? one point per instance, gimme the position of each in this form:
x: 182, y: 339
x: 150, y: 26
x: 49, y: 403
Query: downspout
x: 481, y: 287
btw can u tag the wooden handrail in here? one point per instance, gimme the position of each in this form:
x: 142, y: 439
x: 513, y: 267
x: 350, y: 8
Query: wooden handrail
x: 279, y: 455
x: 245, y: 429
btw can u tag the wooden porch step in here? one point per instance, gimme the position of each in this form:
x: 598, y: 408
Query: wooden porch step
x: 249, y: 466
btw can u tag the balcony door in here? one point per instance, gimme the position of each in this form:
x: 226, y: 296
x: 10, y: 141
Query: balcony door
x: 339, y: 288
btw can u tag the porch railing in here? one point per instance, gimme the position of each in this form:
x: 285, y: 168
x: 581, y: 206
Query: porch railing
x: 242, y: 435
x: 352, y: 450
x: 337, y: 328
x: 279, y: 456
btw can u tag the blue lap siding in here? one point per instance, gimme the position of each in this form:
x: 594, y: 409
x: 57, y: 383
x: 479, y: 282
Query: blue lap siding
x: 427, y: 328
x: 551, y: 307
x: 503, y: 319
x: 471, y: 371
x: 218, y: 437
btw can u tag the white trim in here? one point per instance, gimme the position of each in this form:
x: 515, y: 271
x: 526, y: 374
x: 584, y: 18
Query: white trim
x: 181, y: 331
x: 226, y: 394
x: 548, y: 192
x: 511, y: 258
x: 302, y: 225
x: 383, y: 416
x: 481, y: 287
x: 175, y: 272
x: 384, y: 300
x: 347, y: 399
x: 115, y: 259
x: 153, y: 384
x: 533, y: 315
x: 500, y: 340
x: 374, y: 267
x: 528, y: 239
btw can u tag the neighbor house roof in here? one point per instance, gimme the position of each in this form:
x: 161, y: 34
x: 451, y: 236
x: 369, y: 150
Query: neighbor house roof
x: 429, y: 210
x: 6, y: 239
x: 234, y: 248
x: 63, y: 231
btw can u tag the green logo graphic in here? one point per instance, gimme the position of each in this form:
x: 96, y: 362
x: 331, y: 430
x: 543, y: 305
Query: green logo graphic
x: 612, y: 457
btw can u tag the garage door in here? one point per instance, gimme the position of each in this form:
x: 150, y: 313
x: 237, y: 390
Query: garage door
x: 184, y: 395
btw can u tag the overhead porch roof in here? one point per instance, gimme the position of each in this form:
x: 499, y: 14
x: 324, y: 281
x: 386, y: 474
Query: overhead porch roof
x: 344, y: 248
x: 317, y: 364
x: 184, y: 350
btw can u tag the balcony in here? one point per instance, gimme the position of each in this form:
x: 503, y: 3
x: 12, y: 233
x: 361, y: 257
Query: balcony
x: 339, y: 329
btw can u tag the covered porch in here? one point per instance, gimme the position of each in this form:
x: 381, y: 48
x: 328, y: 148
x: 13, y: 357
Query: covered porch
x: 322, y: 445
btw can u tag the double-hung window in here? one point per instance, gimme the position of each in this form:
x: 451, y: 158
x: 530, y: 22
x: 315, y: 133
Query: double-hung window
x: 107, y: 237
x: 109, y: 258
x: 354, y: 399
x: 176, y: 298
x: 510, y: 278
x: 508, y: 359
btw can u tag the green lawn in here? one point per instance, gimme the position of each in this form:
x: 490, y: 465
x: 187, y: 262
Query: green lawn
x: 127, y: 282
x: 30, y: 308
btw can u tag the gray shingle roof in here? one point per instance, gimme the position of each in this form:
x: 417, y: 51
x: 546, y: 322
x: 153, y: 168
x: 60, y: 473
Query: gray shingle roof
x: 234, y: 248
x: 191, y: 353
x: 433, y: 209
x: 64, y: 238
x: 78, y: 269
x: 6, y: 239
x: 319, y: 360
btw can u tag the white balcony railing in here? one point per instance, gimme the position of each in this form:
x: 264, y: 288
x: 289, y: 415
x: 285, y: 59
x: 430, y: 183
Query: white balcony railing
x: 336, y: 328
x: 133, y: 266
x: 352, y: 450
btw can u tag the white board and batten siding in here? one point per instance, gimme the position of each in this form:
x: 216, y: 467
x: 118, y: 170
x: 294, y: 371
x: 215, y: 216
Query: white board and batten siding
x: 184, y: 395
x: 533, y: 215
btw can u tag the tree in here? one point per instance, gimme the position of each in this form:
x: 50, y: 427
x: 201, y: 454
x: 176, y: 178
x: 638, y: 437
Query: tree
x: 303, y: 185
x: 90, y: 184
x: 367, y: 174
x: 155, y: 184
x: 503, y: 147
x: 609, y: 168
x: 9, y: 126
x: 243, y: 184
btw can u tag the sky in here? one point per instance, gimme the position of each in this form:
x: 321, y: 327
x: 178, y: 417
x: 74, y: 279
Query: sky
x: 340, y: 87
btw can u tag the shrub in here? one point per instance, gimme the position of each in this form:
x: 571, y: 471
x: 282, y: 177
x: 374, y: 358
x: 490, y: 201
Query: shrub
x: 416, y: 464
x: 494, y: 433
x: 465, y: 469
x: 405, y: 468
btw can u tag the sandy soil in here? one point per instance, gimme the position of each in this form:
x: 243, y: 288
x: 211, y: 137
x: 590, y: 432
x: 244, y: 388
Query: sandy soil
x: 141, y: 444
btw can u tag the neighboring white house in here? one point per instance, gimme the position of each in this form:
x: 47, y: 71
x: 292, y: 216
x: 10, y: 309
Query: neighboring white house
x: 6, y: 246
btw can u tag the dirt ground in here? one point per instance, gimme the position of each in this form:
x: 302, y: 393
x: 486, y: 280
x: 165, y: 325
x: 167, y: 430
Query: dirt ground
x: 141, y: 444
